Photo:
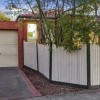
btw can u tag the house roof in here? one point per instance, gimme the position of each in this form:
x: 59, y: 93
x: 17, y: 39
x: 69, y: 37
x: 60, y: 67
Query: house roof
x: 50, y: 15
x: 30, y: 15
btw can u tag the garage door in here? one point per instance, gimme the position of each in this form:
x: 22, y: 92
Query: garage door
x: 8, y: 48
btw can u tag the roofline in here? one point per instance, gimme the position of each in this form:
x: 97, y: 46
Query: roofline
x: 32, y: 17
x: 47, y: 17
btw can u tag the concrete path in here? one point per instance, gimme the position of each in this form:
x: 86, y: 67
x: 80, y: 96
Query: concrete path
x: 86, y: 95
x: 15, y: 85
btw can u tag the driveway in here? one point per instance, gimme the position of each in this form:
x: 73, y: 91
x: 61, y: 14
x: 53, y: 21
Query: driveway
x: 14, y: 84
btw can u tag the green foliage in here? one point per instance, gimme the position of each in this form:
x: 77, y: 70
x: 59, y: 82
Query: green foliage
x: 73, y: 28
x: 49, y: 30
x: 3, y: 17
x: 76, y: 31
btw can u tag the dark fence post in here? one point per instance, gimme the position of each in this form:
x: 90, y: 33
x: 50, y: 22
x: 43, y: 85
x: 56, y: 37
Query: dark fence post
x: 23, y: 51
x: 88, y: 67
x: 50, y: 63
x: 37, y: 56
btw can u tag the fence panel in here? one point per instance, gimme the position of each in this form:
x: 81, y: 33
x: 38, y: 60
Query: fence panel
x: 43, y: 59
x: 30, y: 55
x: 95, y: 64
x: 69, y: 67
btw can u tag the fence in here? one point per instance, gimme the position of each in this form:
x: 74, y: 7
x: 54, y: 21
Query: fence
x: 71, y: 68
x: 30, y: 55
x: 95, y: 64
x: 43, y: 59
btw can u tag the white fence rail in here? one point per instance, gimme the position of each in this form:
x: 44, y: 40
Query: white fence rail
x: 30, y: 55
x: 95, y: 64
x: 69, y: 67
x: 43, y: 59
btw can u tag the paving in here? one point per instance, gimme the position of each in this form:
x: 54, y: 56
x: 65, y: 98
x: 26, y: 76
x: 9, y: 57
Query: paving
x: 14, y: 85
x: 87, y: 95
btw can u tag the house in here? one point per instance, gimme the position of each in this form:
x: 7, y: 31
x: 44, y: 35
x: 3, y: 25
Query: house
x: 12, y: 34
x: 32, y: 34
x: 11, y: 44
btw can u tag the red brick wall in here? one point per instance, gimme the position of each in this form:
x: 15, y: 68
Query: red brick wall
x: 13, y: 25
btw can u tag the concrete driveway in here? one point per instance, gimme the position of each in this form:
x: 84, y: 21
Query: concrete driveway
x: 14, y: 84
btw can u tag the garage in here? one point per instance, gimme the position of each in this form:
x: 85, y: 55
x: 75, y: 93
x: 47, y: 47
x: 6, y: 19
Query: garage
x: 8, y: 48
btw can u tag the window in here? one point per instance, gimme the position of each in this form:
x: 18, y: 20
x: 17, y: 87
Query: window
x: 32, y: 33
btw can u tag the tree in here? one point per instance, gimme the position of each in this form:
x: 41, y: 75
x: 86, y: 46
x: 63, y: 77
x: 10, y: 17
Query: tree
x: 72, y: 23
x: 3, y: 17
x: 11, y: 6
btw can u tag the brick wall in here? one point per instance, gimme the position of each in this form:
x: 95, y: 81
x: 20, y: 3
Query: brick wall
x: 13, y: 25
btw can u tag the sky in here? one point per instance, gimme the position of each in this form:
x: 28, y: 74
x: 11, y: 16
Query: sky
x: 2, y: 5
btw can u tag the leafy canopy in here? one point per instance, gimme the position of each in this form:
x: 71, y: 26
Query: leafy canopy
x: 72, y: 23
